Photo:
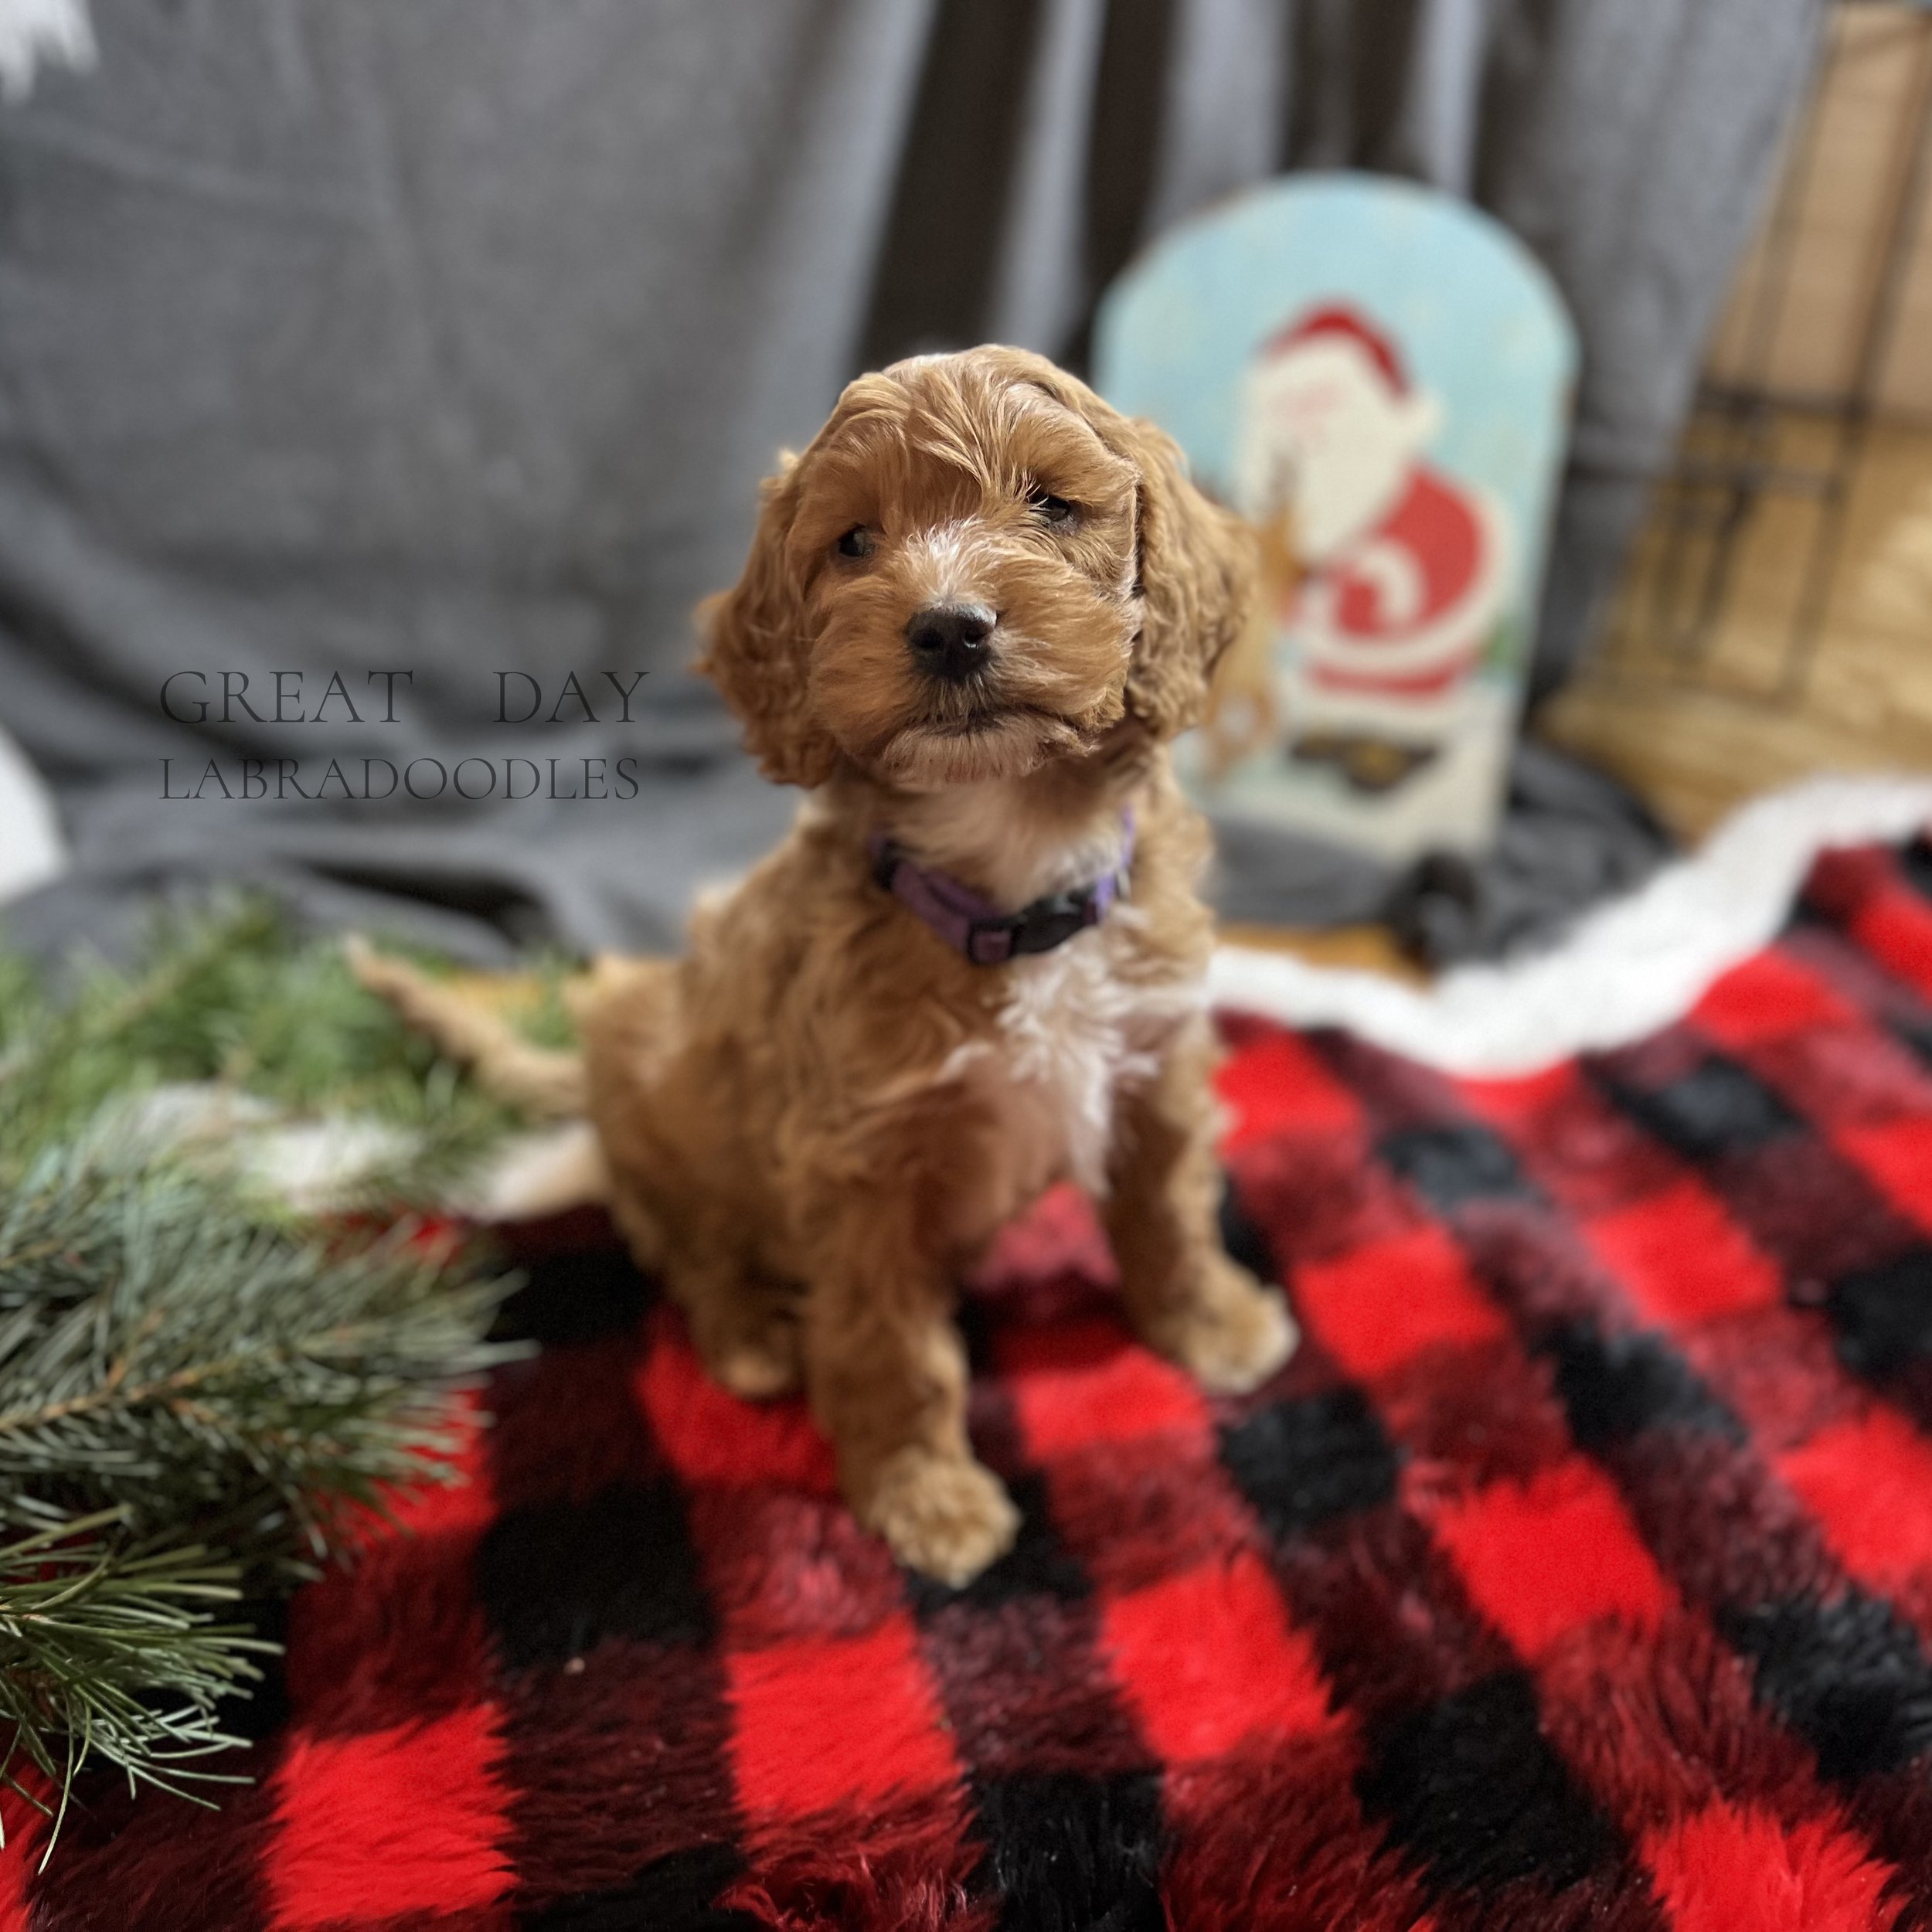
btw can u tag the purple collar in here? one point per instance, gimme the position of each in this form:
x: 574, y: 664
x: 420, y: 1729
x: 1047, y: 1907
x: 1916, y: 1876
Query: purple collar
x: 975, y: 927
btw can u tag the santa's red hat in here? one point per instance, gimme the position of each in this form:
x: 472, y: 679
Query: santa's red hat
x: 1336, y: 319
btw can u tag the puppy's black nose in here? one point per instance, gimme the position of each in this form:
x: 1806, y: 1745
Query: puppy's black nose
x: 949, y: 640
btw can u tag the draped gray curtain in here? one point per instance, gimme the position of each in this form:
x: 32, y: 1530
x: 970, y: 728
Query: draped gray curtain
x: 450, y: 336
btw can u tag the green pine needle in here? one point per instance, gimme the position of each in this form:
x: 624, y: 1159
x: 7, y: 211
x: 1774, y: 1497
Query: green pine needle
x: 108, y: 1650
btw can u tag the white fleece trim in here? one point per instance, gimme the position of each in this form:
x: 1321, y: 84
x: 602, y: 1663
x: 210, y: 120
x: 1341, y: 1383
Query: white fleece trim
x: 57, y: 32
x: 1625, y: 970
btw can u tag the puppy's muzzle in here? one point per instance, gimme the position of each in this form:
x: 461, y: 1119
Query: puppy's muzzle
x: 949, y: 641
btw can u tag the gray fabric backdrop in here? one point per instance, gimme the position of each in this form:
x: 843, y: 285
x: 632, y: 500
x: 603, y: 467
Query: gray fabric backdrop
x: 450, y: 336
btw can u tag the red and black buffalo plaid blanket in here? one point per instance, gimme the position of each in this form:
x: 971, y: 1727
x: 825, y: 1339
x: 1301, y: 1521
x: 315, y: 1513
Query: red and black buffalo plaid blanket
x: 1576, y: 1573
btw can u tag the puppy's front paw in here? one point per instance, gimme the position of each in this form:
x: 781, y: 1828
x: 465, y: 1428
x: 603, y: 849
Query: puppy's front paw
x: 943, y: 1515
x: 1232, y: 1333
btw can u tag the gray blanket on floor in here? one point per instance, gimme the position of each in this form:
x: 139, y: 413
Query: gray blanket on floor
x: 448, y: 338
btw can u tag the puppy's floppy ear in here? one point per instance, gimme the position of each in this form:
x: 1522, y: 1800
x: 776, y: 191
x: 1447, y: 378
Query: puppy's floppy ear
x: 1196, y: 567
x: 756, y: 649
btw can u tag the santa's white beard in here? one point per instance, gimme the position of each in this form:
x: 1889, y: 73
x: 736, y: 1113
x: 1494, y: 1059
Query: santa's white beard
x: 1343, y: 493
x: 1328, y: 440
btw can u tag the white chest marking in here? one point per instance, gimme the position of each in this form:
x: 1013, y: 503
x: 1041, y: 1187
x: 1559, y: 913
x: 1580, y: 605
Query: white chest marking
x: 1073, y: 1034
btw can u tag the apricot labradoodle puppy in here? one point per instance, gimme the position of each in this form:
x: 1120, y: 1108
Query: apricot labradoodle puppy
x: 976, y: 610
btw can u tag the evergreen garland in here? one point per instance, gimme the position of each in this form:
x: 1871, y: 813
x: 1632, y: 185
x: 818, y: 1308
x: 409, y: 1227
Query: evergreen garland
x: 200, y: 1392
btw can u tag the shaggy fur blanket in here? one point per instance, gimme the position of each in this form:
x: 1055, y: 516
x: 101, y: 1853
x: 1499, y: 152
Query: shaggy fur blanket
x: 1576, y: 1572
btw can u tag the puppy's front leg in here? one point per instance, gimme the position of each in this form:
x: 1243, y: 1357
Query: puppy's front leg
x: 1187, y: 1298
x: 886, y: 1373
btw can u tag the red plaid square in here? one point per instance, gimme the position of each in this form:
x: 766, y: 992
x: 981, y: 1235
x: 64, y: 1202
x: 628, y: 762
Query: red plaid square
x: 1208, y: 1657
x: 823, y: 1722
x: 1541, y: 1557
x: 1278, y: 1084
x: 1680, y: 1258
x: 464, y: 1501
x: 23, y: 1832
x: 711, y: 1436
x: 1868, y: 1479
x: 1381, y: 1305
x: 1895, y: 926
x: 367, y: 1828
x: 1076, y: 1383
x: 1725, y: 1868
x: 1898, y: 1156
x: 1766, y: 997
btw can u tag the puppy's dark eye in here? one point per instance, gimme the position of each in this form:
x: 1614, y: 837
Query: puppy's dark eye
x: 1050, y: 508
x: 857, y: 542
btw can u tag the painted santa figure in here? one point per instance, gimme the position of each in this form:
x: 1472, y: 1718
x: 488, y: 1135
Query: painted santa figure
x: 1386, y: 577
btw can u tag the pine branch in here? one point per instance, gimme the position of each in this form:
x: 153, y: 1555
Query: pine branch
x: 163, y: 1352
x: 109, y: 1649
x: 192, y: 1400
x: 201, y: 1395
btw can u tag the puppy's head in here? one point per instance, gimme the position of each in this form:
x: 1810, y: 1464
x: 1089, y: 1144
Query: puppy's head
x: 976, y: 566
